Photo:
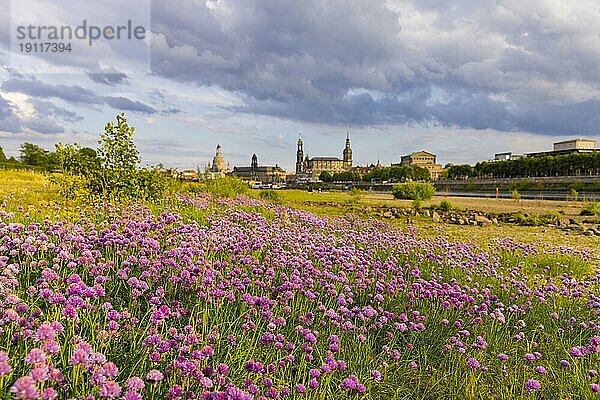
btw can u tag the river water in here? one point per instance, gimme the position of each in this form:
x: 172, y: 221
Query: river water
x: 524, y: 195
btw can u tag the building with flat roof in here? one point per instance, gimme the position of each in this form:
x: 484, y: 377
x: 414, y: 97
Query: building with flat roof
x: 507, y: 156
x: 423, y: 159
x: 568, y: 147
x: 575, y: 144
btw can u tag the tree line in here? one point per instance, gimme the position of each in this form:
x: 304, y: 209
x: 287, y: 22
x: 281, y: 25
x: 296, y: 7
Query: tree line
x: 111, y: 170
x: 536, y: 166
x: 394, y: 173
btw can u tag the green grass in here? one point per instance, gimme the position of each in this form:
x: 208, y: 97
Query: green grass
x: 445, y: 381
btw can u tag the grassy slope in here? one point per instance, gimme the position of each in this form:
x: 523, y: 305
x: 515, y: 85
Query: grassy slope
x: 33, y: 187
x: 340, y: 203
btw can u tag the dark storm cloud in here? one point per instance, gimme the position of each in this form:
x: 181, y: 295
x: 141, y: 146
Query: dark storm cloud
x: 108, y: 78
x: 507, y: 65
x: 47, y: 108
x: 122, y: 103
x: 37, y: 88
x: 72, y: 94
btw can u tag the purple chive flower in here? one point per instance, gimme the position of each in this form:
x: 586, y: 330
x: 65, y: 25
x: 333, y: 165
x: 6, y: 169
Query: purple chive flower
x: 529, y: 357
x: 5, y: 367
x: 350, y: 382
x: 502, y: 357
x: 154, y: 376
x: 134, y: 383
x: 300, y: 388
x: 595, y: 387
x: 564, y: 363
x: 540, y: 370
x: 133, y: 395
x: 376, y: 375
x: 49, y: 394
x: 532, y: 385
x: 110, y: 390
x: 24, y: 388
x: 35, y: 356
x: 576, y: 352
x: 473, y: 363
x: 223, y: 369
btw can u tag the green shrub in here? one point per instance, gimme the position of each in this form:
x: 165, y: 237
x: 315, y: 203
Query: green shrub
x: 515, y: 194
x: 270, y: 195
x: 592, y: 208
x: 228, y: 186
x: 71, y: 186
x: 414, y: 191
x: 574, y: 195
x: 417, y: 204
x: 445, y: 205
x: 152, y: 184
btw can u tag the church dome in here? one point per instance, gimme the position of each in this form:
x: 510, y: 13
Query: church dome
x: 219, y: 164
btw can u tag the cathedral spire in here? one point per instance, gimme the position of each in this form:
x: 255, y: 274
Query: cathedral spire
x: 347, y: 150
x: 300, y: 155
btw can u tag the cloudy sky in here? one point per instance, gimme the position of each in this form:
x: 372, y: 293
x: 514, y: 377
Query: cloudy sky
x: 463, y: 79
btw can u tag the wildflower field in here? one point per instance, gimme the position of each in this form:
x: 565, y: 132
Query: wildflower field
x: 218, y: 298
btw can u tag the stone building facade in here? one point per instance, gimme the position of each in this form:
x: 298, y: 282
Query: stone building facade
x: 312, y: 167
x: 264, y: 174
x: 219, y: 167
x: 423, y: 159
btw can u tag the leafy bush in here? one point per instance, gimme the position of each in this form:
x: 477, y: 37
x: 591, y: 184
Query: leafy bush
x: 417, y: 204
x: 270, y: 195
x: 574, y: 195
x: 445, y: 205
x: 152, y: 184
x: 227, y: 186
x: 414, y: 191
x: 326, y: 176
x: 515, y: 194
x: 592, y: 208
x: 71, y: 186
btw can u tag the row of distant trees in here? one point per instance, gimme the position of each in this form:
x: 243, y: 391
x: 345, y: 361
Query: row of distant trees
x: 539, y: 166
x: 35, y: 157
x: 393, y: 173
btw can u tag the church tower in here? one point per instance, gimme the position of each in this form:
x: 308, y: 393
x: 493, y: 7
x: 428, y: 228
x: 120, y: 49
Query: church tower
x: 254, y: 166
x: 299, y: 155
x: 347, y: 150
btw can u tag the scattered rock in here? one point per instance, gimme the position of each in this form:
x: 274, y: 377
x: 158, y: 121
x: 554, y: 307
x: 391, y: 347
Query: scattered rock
x: 436, y: 217
x: 481, y: 220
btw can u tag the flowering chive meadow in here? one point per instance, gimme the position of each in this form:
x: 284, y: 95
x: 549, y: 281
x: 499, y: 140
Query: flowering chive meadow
x: 217, y: 298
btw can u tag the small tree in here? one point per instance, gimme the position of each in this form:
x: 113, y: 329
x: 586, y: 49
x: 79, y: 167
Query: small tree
x: 325, y: 176
x: 34, y: 155
x: 119, y: 156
